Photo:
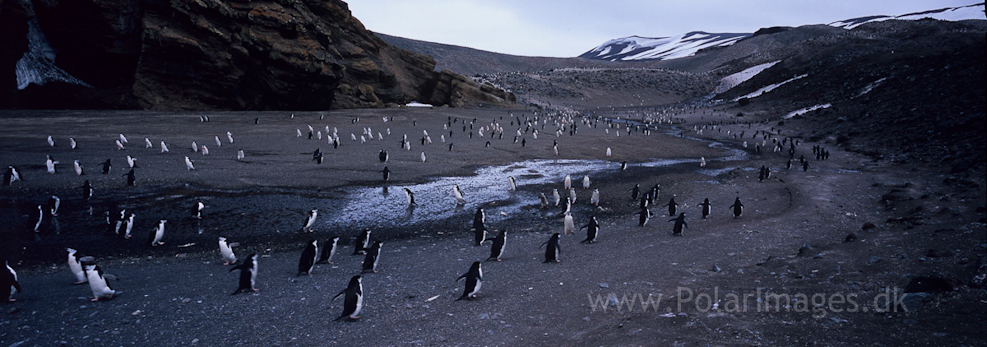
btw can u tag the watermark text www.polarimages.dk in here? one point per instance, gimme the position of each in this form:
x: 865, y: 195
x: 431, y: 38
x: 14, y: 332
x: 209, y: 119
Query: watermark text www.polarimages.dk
x: 891, y: 299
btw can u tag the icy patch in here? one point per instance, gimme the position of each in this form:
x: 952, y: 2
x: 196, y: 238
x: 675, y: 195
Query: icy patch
x: 37, y: 66
x: 975, y: 11
x: 736, y: 79
x: 417, y: 104
x: 769, y: 88
x: 802, y: 111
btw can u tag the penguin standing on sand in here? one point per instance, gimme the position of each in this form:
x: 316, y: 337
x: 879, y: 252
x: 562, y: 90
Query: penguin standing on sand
x: 97, y: 282
x: 569, y: 224
x: 556, y: 197
x: 188, y: 164
x: 310, y: 220
x: 77, y: 167
x: 679, y: 223
x: 386, y: 173
x: 353, y: 301
x: 497, y: 249
x: 705, y: 206
x: 479, y: 234
x: 511, y: 184
x: 635, y: 192
x: 372, y: 258
x: 592, y: 230
x: 586, y: 182
x: 383, y: 156
x: 158, y: 233
x: 50, y: 164
x: 226, y: 249
x: 567, y: 182
x: 552, y: 249
x: 474, y: 279
x: 479, y: 218
x: 543, y: 199
x: 738, y: 208
x: 328, y: 251
x: 671, y: 206
x: 76, y: 266
x: 164, y: 147
x: 594, y: 199
x: 131, y: 177
x: 362, y: 242
x: 248, y: 275
x: 307, y: 261
x: 106, y: 166
x: 8, y: 281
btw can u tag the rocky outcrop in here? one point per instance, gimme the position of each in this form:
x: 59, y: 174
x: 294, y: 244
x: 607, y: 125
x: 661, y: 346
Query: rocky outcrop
x: 238, y: 55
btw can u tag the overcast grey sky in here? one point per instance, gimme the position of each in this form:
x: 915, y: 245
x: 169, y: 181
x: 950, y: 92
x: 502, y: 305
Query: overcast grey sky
x: 567, y: 28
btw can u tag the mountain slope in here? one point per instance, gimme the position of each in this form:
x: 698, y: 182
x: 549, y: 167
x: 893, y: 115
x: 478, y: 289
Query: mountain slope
x: 975, y: 11
x: 647, y: 48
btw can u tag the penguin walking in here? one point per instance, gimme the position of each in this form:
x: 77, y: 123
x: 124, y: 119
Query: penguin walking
x: 592, y: 230
x: 248, y: 275
x: 8, y: 281
x: 567, y: 182
x: 239, y: 155
x: 197, y: 209
x: 543, y: 199
x: 679, y: 223
x: 474, y: 280
x: 702, y: 161
x: 130, y: 227
x: 556, y: 198
x: 51, y: 142
x: 497, y: 249
x: 147, y: 143
x: 511, y: 184
x: 131, y: 177
x: 158, y: 233
x: 458, y: 194
x: 738, y: 208
x: 705, y: 206
x: 50, y: 164
x: 586, y: 182
x: 569, y: 224
x: 595, y: 198
x: 41, y: 217
x: 106, y: 166
x: 410, y: 195
x: 386, y: 173
x: 644, y: 216
x: 353, y: 301
x: 362, y: 242
x: 383, y: 156
x: 372, y: 258
x: 635, y: 192
x: 164, y: 147
x: 75, y: 264
x: 97, y: 282
x: 87, y: 191
x: 53, y: 203
x: 226, y: 249
x: 310, y: 220
x: 307, y: 261
x: 131, y: 162
x: 671, y: 206
x: 77, y: 167
x: 479, y: 234
x: 72, y: 143
x: 552, y: 249
x: 479, y: 218
x: 328, y: 251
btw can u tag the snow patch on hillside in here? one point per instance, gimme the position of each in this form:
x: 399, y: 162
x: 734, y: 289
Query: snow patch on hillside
x: 726, y: 83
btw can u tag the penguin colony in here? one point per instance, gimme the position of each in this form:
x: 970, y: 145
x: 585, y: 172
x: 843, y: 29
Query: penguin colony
x: 121, y: 221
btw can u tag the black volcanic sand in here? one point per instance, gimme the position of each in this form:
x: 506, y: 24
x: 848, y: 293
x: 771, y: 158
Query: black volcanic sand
x: 925, y: 223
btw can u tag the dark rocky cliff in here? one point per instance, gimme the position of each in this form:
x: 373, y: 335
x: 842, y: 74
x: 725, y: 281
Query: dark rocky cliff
x: 215, y: 54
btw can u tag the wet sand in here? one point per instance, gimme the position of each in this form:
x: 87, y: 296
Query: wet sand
x: 179, y: 293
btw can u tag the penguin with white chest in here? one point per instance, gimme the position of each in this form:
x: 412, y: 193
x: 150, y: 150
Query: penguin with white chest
x: 474, y: 280
x: 353, y: 301
x: 76, y: 266
x: 362, y: 242
x: 8, y: 281
x: 310, y: 220
x: 738, y: 208
x: 97, y: 282
x: 592, y: 230
x: 307, y: 261
x: 248, y: 275
x: 679, y: 223
x: 158, y: 233
x: 226, y: 249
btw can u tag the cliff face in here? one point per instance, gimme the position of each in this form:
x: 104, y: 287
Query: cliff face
x: 240, y: 55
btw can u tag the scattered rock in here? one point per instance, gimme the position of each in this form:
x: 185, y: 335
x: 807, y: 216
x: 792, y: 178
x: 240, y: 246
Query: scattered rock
x: 804, y: 249
x: 604, y: 285
x: 715, y: 268
x: 874, y: 259
x: 931, y: 284
x: 868, y: 226
x: 932, y: 253
x: 850, y: 237
x: 915, y: 301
